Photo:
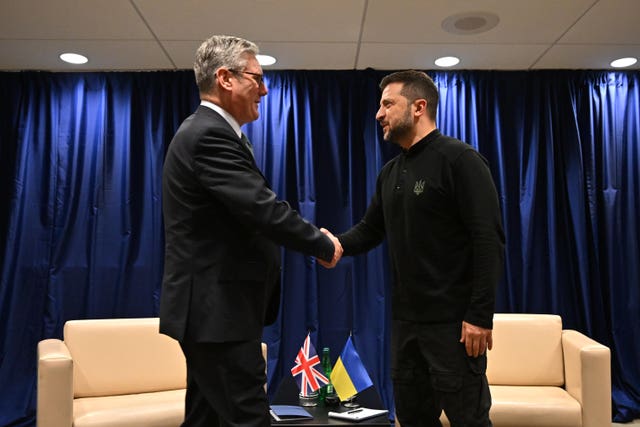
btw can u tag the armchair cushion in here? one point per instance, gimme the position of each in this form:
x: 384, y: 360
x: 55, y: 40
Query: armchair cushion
x: 109, y: 373
x: 123, y: 356
x: 527, y: 350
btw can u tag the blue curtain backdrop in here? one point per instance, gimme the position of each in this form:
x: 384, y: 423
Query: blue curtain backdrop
x: 81, y: 227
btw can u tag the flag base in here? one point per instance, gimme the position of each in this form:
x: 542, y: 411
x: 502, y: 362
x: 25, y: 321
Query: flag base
x: 308, y: 400
x: 351, y: 402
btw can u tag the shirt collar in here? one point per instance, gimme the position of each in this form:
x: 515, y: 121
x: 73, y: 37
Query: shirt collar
x: 418, y: 146
x: 225, y: 115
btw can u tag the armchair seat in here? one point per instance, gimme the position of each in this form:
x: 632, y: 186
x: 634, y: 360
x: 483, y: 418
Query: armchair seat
x: 111, y: 373
x: 155, y: 409
x: 553, y: 406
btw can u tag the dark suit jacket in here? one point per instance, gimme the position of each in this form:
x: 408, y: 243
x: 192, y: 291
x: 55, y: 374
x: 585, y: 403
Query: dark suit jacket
x: 223, y: 225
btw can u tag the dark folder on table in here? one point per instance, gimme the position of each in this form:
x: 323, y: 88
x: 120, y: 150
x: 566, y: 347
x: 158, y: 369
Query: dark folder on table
x: 289, y: 412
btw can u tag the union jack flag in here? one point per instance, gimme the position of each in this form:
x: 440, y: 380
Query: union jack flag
x: 309, y: 379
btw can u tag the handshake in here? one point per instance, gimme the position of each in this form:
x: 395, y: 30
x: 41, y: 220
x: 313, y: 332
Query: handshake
x: 337, y: 254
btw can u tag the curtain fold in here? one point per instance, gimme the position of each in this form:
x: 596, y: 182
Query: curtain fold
x: 81, y: 158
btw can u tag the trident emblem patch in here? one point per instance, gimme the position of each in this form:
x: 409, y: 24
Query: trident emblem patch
x: 419, y: 187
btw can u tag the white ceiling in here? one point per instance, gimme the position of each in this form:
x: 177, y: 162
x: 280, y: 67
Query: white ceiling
x: 326, y: 34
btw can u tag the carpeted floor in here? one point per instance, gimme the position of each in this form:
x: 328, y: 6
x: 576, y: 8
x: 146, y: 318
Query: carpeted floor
x: 632, y: 423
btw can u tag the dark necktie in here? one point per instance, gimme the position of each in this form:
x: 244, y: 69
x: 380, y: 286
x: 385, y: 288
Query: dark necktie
x: 247, y: 143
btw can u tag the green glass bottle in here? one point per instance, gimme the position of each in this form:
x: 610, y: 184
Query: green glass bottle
x: 327, y: 393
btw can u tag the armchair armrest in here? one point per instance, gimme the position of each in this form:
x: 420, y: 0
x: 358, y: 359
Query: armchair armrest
x: 55, y: 384
x: 587, y: 365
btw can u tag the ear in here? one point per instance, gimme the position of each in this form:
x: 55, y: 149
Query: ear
x: 421, y: 107
x: 223, y: 78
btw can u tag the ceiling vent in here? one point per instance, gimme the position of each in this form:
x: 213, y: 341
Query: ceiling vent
x: 470, y: 22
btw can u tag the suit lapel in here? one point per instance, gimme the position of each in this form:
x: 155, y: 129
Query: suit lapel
x: 219, y: 120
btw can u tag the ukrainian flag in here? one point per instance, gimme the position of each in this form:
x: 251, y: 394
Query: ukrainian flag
x: 349, y: 376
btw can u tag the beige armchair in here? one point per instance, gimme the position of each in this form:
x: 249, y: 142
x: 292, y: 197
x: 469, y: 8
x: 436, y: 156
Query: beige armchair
x: 543, y: 376
x: 111, y: 372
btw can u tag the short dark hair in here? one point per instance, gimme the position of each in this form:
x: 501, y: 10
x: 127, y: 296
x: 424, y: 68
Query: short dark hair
x: 415, y: 85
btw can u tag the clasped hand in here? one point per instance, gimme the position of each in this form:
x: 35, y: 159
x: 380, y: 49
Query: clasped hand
x: 337, y: 254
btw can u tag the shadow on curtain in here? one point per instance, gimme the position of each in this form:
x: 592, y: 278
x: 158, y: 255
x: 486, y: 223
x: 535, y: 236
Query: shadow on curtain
x: 81, y: 228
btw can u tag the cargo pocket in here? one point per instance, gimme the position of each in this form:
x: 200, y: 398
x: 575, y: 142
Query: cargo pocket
x: 448, y: 387
x: 446, y: 382
x: 409, y: 375
x: 478, y: 365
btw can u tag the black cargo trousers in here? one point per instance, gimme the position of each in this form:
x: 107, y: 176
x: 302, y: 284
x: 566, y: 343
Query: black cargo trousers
x: 431, y: 372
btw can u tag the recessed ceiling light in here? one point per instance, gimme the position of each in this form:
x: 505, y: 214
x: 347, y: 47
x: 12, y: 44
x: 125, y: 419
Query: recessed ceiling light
x: 470, y: 22
x: 447, y: 61
x: 623, y: 62
x: 266, y: 59
x: 74, y: 58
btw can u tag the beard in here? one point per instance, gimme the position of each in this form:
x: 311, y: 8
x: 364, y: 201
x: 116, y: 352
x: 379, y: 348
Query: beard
x: 400, y: 130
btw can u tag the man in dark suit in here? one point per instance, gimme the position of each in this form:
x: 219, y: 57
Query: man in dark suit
x: 223, y: 225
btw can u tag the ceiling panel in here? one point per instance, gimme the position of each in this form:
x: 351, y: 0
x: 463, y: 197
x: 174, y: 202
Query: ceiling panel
x: 595, y: 57
x: 331, y: 34
x: 291, y: 56
x: 481, y: 57
x: 539, y: 21
x: 104, y: 55
x: 71, y: 20
x: 607, y: 22
x: 281, y: 20
x: 312, y: 56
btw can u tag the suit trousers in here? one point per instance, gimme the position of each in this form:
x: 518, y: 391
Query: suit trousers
x: 431, y: 372
x: 225, y: 385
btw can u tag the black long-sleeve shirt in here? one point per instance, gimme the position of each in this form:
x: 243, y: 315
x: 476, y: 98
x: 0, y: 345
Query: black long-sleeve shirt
x: 438, y: 207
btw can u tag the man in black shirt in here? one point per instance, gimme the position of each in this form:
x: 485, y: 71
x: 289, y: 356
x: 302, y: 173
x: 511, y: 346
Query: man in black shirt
x: 438, y: 207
